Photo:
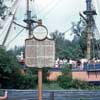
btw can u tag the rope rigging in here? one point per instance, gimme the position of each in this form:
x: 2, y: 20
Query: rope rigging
x: 48, y: 9
x: 98, y: 5
x: 15, y: 37
x: 97, y: 42
x: 96, y: 32
x: 4, y: 29
x: 12, y: 12
x: 68, y: 30
x: 51, y: 9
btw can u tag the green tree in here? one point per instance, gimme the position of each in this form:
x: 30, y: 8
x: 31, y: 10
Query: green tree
x: 59, y: 43
x: 10, y: 73
x: 68, y: 49
x: 83, y: 43
x: 8, y: 66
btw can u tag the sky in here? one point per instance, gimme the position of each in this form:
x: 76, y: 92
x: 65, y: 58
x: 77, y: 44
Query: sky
x: 55, y: 14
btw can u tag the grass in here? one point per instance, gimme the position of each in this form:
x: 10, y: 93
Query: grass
x: 55, y: 86
x: 84, y: 99
x: 52, y: 86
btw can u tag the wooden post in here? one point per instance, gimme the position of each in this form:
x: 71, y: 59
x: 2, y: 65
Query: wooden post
x: 52, y: 96
x: 39, y: 83
x: 89, y: 43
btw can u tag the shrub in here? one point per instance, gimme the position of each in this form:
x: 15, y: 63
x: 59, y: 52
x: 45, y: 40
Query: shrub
x: 65, y: 80
x: 25, y: 82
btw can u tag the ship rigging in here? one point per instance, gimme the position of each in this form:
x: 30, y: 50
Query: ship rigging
x: 8, y: 16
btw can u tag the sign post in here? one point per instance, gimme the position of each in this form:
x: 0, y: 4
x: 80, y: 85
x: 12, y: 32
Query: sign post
x: 39, y: 83
x: 39, y: 52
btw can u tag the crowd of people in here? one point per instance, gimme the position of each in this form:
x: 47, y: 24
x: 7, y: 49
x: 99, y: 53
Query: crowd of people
x: 76, y: 64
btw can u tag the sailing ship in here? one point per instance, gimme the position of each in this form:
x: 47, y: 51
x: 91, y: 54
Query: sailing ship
x: 89, y: 69
x: 8, y: 12
x: 90, y: 72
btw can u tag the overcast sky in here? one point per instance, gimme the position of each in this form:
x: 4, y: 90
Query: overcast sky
x: 56, y: 15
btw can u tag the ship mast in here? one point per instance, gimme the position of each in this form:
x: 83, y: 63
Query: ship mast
x: 29, y: 21
x: 28, y: 18
x: 89, y: 14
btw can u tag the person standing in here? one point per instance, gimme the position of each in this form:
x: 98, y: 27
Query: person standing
x: 5, y: 95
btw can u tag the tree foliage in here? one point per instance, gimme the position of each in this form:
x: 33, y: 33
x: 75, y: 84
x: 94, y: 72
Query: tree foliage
x: 65, y: 48
x: 76, y: 48
x: 10, y: 73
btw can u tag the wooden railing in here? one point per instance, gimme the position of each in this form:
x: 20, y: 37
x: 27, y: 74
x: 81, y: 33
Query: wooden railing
x: 54, y: 95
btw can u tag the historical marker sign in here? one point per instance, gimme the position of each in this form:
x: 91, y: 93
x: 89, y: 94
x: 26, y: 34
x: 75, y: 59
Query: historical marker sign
x: 39, y: 53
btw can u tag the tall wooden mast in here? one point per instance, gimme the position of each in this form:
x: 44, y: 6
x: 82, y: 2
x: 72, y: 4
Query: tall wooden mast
x: 89, y: 14
x: 29, y: 21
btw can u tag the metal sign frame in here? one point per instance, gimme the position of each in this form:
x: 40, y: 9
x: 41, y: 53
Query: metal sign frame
x: 37, y: 37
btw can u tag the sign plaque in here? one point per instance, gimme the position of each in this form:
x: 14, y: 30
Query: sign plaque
x: 39, y: 53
